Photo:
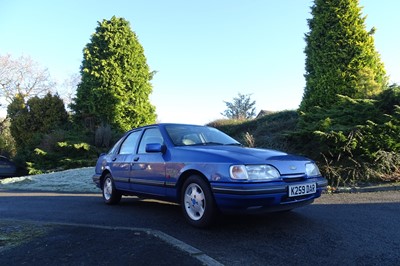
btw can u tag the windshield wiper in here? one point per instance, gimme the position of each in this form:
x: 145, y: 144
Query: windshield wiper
x: 234, y: 144
x: 216, y: 143
x: 206, y: 143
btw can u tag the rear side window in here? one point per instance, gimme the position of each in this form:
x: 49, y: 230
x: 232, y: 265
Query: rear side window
x: 129, y: 144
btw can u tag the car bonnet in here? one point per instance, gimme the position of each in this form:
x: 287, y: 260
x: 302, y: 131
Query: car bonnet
x: 286, y: 164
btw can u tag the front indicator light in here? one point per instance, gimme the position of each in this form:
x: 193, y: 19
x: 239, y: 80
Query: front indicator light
x: 312, y: 170
x: 238, y: 172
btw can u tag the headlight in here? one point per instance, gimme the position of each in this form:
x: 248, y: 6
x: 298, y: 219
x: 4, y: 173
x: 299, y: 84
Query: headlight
x: 312, y: 170
x: 254, y: 172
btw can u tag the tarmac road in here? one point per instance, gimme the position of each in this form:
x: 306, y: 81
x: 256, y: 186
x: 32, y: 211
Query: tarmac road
x: 346, y: 229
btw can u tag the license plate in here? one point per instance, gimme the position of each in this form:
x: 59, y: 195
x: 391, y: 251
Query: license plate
x: 302, y: 189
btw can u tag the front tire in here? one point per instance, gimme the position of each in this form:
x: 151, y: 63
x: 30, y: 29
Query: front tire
x: 197, y: 202
x: 110, y: 194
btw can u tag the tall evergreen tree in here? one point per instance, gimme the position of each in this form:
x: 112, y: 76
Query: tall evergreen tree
x: 115, y: 85
x: 340, y: 55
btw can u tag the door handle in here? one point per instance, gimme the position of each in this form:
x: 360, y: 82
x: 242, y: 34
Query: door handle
x: 136, y: 159
x: 115, y: 158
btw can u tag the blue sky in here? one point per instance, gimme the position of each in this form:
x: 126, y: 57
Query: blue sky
x: 205, y: 52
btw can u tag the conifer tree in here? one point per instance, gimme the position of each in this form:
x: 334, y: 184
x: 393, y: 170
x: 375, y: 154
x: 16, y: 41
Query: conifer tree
x: 115, y: 85
x: 340, y: 55
x: 241, y: 108
x: 38, y: 116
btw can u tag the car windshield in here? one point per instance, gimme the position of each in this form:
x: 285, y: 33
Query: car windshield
x: 190, y: 135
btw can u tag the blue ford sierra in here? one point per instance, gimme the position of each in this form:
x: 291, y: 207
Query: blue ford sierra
x: 206, y: 172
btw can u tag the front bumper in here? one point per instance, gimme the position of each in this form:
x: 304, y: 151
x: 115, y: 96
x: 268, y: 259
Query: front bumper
x: 263, y: 197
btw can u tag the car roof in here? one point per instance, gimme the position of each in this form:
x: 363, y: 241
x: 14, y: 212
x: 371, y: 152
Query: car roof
x: 166, y: 124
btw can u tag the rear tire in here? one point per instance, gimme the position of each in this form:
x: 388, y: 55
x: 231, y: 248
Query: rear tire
x: 110, y: 194
x: 197, y: 202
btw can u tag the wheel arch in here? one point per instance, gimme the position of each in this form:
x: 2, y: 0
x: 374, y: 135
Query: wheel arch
x: 184, y: 176
x: 103, y: 175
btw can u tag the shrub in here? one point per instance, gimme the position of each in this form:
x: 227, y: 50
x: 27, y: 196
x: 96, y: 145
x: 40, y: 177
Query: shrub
x: 7, y: 143
x: 355, y: 140
x: 268, y: 131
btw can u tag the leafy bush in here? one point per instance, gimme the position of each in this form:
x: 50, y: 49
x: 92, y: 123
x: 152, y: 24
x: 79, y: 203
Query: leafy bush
x: 7, y: 143
x: 273, y: 130
x: 353, y: 141
x: 351, y: 138
x: 229, y: 126
x: 269, y: 131
x: 32, y: 119
x: 59, y: 150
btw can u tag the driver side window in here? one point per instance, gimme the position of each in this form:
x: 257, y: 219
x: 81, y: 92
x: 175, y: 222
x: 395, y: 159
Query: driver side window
x: 151, y: 135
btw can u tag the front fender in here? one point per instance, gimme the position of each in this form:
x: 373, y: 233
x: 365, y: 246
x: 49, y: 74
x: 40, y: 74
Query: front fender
x: 212, y: 172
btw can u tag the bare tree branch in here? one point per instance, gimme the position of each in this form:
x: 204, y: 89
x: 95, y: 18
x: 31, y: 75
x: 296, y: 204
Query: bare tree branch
x: 69, y: 88
x: 23, y: 76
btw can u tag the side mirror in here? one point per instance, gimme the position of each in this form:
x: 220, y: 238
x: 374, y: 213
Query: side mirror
x: 155, y: 147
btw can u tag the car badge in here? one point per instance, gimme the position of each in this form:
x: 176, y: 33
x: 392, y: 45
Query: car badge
x: 292, y: 167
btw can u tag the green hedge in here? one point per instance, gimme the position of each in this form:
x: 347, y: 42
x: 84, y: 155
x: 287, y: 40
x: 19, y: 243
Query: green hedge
x: 354, y: 141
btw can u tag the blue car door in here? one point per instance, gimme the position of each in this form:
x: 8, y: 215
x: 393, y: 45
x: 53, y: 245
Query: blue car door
x: 121, y: 161
x: 148, y: 169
